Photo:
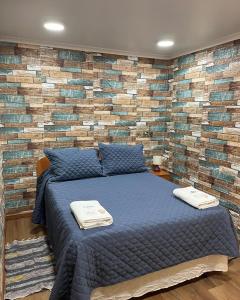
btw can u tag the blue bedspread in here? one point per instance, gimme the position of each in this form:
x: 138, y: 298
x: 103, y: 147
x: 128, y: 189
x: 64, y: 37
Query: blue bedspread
x: 151, y: 230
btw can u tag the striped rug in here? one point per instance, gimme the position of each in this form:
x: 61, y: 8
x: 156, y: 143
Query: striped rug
x: 29, y: 267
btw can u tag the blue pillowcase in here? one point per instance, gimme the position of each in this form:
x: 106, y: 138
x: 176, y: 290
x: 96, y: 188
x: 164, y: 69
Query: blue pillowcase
x: 73, y: 163
x: 122, y: 159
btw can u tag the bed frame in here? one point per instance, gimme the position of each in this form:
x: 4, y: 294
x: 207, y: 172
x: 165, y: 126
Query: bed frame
x: 42, y: 165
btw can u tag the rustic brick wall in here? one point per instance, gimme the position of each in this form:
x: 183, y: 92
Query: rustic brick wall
x: 205, y: 122
x: 62, y: 98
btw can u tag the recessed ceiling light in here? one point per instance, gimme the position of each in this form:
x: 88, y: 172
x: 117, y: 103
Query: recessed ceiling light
x: 52, y: 26
x: 165, y: 43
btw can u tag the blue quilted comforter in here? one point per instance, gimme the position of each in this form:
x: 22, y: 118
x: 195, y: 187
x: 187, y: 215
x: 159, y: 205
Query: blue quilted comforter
x: 152, y: 230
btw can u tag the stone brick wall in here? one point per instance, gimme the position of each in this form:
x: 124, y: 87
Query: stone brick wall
x: 204, y: 142
x: 62, y: 98
x: 187, y: 109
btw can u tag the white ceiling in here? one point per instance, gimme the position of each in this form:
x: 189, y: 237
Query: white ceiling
x: 123, y: 26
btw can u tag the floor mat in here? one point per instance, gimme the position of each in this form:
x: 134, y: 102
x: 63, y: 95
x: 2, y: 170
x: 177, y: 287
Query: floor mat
x: 29, y: 267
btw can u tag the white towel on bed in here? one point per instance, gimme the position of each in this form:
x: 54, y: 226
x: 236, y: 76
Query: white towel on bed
x: 90, y: 214
x: 196, y: 198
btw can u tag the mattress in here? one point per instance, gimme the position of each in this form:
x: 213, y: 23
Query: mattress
x: 151, y: 231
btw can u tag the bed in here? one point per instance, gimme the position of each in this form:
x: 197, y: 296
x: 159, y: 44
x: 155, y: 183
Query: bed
x: 155, y: 241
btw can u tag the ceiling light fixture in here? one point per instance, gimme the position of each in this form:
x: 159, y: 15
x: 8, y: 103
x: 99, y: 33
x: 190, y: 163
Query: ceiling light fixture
x: 52, y: 26
x: 165, y: 43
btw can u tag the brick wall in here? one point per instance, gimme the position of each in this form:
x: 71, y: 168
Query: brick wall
x: 205, y: 130
x: 62, y: 98
x: 188, y: 109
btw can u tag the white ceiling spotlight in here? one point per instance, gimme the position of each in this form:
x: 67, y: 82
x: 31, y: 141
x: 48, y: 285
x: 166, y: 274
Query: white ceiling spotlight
x: 165, y: 43
x: 53, y: 26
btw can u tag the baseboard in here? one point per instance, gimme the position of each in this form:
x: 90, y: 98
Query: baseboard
x: 18, y: 215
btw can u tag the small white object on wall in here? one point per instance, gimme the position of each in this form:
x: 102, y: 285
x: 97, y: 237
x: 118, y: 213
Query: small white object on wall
x: 157, y: 160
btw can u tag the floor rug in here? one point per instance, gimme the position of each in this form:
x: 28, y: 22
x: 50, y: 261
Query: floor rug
x: 29, y: 267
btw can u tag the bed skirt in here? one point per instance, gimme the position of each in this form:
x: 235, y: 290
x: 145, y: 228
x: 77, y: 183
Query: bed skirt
x: 161, y: 279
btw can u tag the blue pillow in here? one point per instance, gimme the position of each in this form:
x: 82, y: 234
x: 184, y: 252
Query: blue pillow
x: 122, y: 159
x: 73, y: 163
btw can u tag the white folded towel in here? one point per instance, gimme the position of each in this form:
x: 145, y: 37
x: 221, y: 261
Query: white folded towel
x: 196, y: 198
x: 90, y: 214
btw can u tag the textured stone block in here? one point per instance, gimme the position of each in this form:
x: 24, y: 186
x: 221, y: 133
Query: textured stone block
x: 65, y: 117
x: 221, y: 96
x: 111, y: 84
x: 164, y: 76
x: 99, y: 94
x: 57, y: 128
x: 120, y: 133
x: 212, y: 116
x: 223, y: 80
x: 213, y: 128
x: 225, y: 53
x: 184, y: 94
x: 105, y: 59
x: 10, y: 59
x: 182, y: 126
x: 181, y: 72
x: 72, y: 93
x: 10, y: 130
x: 125, y: 123
x: 72, y: 55
x: 158, y: 128
x: 216, y: 154
x: 14, y: 118
x: 83, y: 82
x: 14, y: 169
x: 225, y: 177
x: 187, y: 59
x: 216, y: 68
x: 159, y: 87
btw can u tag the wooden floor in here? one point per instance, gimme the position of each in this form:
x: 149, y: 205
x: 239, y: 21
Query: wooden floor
x: 220, y: 286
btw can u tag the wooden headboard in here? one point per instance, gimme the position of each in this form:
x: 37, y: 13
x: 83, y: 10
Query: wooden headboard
x: 42, y: 165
